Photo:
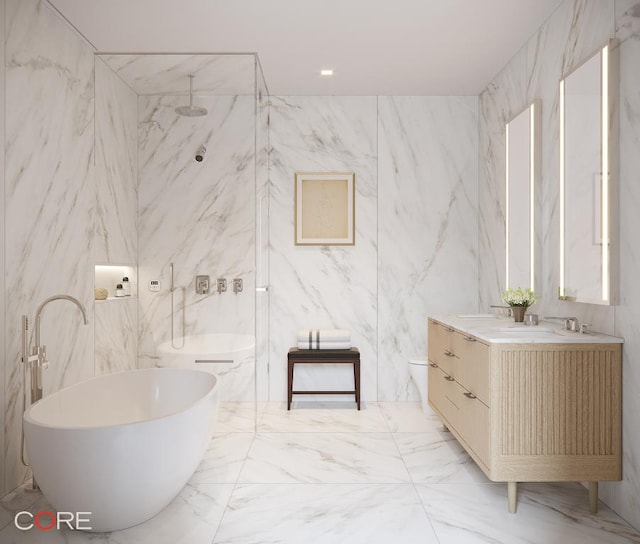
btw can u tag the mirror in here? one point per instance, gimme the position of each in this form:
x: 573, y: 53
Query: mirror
x: 588, y: 211
x: 522, y: 168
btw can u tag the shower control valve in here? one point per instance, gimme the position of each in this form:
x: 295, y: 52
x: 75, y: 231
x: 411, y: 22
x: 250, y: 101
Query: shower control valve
x: 237, y: 285
x: 221, y: 285
x: 202, y: 285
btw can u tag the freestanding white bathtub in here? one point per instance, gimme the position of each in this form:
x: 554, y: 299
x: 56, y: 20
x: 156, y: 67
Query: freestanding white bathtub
x: 121, y: 446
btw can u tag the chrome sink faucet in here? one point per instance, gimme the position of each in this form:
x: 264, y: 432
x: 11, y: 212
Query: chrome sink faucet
x: 508, y: 308
x: 569, y: 323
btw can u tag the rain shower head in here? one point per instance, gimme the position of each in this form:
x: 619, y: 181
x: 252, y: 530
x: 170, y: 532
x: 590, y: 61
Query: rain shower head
x: 191, y: 110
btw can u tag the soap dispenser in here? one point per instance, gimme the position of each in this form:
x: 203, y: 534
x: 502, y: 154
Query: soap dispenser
x: 126, y: 286
x: 119, y: 290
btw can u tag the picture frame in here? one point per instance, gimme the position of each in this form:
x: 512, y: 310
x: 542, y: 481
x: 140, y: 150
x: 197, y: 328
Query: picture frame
x: 324, y: 208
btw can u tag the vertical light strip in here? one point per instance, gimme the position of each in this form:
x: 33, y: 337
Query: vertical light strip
x: 506, y: 222
x: 605, y: 173
x: 561, y: 114
x: 532, y: 194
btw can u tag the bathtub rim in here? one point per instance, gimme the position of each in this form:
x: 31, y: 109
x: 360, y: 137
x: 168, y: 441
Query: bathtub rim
x: 28, y: 419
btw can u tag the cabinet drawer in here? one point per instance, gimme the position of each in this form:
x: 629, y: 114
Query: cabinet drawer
x: 474, y: 421
x: 444, y: 395
x: 442, y: 345
x: 475, y: 373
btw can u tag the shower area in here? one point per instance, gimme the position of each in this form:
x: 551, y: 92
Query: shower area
x: 182, y: 157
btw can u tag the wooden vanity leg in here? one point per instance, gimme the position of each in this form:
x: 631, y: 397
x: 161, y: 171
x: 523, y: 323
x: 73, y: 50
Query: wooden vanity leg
x: 593, y: 497
x: 512, y: 494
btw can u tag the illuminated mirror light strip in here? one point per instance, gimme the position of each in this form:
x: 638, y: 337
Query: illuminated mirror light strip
x: 532, y: 196
x: 506, y: 230
x: 605, y: 173
x: 561, y: 114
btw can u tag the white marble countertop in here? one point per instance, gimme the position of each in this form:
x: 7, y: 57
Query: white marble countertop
x: 501, y: 330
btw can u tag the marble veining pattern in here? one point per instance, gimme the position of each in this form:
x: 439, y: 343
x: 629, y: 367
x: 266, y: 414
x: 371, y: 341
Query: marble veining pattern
x: 323, y: 286
x: 116, y: 225
x: 323, y: 457
x: 116, y: 336
x: 116, y: 157
x: 415, y: 160
x: 50, y: 203
x: 427, y: 216
x: 166, y: 74
x: 199, y: 216
x: 350, y: 506
x: 626, y: 494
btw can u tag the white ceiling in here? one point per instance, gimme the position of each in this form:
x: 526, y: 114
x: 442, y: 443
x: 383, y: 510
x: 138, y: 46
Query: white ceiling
x: 376, y: 47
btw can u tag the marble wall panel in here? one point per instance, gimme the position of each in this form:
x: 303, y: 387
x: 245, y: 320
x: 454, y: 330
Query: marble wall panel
x: 198, y: 216
x: 323, y: 286
x: 427, y: 226
x: 116, y: 228
x: 116, y: 343
x: 626, y: 495
x: 415, y: 160
x: 50, y: 202
x: 116, y: 157
x: 154, y: 74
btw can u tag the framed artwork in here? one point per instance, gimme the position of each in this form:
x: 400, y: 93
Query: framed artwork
x: 324, y: 208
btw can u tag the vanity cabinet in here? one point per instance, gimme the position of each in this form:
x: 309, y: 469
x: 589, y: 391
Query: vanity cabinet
x: 529, y: 412
x: 459, y: 386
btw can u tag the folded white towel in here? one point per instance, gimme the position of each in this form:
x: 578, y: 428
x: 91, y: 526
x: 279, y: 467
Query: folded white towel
x: 324, y: 335
x: 324, y: 345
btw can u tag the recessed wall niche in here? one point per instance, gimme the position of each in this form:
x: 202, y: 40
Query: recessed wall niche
x: 108, y: 276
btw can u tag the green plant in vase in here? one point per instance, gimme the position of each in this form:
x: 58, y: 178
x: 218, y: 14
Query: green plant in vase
x: 519, y: 300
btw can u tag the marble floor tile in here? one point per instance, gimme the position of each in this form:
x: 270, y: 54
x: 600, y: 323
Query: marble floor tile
x: 328, y: 487
x: 192, y: 518
x: 223, y: 459
x: 323, y: 458
x: 547, y: 514
x: 16, y: 501
x: 319, y: 417
x: 325, y: 514
x: 236, y: 417
x: 437, y: 457
x: 408, y: 417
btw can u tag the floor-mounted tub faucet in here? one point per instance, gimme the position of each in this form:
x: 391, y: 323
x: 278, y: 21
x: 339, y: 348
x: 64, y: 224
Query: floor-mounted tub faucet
x: 35, y: 361
x: 41, y: 351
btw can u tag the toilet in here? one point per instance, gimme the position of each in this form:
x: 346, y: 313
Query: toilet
x: 418, y: 369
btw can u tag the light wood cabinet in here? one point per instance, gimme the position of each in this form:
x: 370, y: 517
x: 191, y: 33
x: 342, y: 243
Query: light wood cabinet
x: 530, y: 412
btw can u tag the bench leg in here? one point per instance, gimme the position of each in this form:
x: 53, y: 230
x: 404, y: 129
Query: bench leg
x: 289, y: 384
x: 356, y: 379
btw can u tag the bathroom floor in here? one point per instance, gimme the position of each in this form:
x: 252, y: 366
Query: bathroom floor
x: 324, y: 475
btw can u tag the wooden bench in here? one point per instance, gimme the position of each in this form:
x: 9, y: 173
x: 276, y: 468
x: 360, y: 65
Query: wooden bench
x: 323, y: 356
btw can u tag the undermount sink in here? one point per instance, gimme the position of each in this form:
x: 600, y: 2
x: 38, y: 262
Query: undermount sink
x: 527, y: 330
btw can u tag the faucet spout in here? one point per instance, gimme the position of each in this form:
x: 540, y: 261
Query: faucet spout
x: 569, y: 323
x: 51, y: 299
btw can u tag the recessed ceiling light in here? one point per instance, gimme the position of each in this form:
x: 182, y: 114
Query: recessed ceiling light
x: 326, y: 72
